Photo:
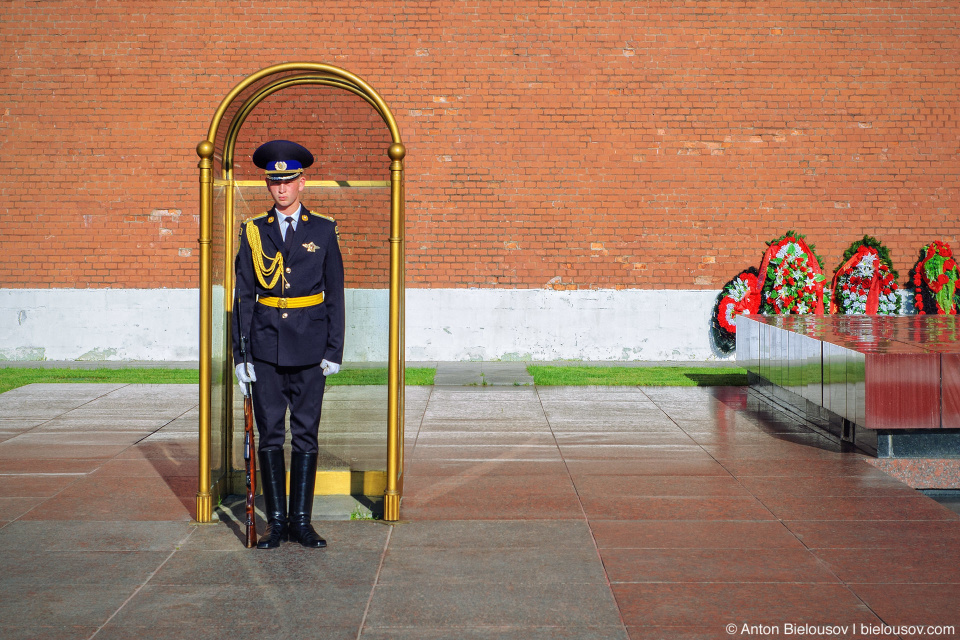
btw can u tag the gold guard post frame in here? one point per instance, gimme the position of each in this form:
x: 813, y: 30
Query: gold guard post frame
x: 264, y: 83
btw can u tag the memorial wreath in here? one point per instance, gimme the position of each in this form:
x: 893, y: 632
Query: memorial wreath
x: 934, y: 278
x: 790, y: 280
x: 865, y: 281
x: 740, y: 296
x: 791, y: 277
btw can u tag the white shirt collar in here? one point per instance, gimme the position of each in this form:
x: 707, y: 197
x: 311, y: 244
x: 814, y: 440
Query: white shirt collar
x: 283, y: 218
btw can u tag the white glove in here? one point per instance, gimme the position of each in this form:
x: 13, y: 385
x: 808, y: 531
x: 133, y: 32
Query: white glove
x: 329, y: 368
x: 244, y: 377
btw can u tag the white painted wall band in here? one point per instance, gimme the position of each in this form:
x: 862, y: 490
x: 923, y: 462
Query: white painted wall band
x: 441, y: 324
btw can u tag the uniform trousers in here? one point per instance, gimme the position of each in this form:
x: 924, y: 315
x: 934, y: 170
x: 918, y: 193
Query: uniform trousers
x: 298, y: 388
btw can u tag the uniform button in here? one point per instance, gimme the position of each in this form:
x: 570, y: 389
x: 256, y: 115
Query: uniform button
x: 288, y: 269
x: 284, y: 315
x: 288, y: 286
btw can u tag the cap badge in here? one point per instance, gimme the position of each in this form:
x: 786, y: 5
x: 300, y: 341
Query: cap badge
x: 310, y: 247
x: 280, y: 166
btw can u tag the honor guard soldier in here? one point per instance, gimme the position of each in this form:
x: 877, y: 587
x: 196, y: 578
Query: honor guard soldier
x: 289, y: 278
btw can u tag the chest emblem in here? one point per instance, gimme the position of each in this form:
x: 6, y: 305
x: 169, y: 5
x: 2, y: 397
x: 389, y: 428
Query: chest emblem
x: 310, y: 247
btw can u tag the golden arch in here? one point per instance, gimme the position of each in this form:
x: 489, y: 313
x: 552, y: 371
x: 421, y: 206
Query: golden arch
x: 217, y: 153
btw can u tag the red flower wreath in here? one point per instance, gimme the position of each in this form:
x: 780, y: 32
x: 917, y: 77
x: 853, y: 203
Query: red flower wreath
x: 864, y: 284
x: 792, y: 277
x: 740, y: 296
x: 935, y: 279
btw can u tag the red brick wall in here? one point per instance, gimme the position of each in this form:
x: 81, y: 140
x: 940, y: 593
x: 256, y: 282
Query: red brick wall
x: 568, y: 144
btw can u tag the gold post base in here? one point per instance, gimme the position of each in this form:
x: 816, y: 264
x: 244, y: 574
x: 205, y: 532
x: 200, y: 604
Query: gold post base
x: 204, y: 507
x: 391, y: 507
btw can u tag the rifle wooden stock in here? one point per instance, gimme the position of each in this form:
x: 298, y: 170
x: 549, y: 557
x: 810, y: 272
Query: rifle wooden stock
x: 250, y: 458
x: 249, y: 447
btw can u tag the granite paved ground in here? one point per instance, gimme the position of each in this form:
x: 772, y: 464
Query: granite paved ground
x: 529, y: 512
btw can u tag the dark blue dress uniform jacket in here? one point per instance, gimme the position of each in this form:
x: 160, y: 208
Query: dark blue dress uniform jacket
x: 292, y: 337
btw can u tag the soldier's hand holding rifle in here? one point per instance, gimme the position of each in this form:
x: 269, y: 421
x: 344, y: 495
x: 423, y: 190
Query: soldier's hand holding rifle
x: 245, y: 375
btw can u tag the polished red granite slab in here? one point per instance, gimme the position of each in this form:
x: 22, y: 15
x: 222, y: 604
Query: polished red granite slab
x: 880, y: 372
x: 902, y: 390
x: 950, y: 390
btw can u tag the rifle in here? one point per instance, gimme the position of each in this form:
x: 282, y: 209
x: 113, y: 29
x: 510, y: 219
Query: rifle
x: 248, y: 444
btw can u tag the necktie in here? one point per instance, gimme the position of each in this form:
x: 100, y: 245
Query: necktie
x: 288, y: 238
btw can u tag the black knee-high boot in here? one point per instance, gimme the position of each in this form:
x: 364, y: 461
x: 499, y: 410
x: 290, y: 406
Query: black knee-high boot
x: 273, y: 476
x: 303, y: 476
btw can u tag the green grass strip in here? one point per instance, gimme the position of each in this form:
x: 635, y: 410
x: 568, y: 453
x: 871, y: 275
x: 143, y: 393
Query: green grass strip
x: 413, y: 376
x: 13, y: 377
x: 638, y: 376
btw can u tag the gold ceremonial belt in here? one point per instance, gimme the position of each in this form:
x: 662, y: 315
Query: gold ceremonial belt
x: 292, y: 303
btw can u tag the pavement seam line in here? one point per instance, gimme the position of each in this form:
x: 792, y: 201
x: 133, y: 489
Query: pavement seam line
x: 136, y: 591
x: 56, y: 417
x: 793, y: 418
x: 80, y: 475
x: 164, y: 425
x: 586, y: 519
x: 376, y: 581
x: 423, y: 416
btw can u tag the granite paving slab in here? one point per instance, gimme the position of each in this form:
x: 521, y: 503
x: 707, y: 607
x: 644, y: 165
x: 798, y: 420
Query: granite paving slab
x: 533, y: 513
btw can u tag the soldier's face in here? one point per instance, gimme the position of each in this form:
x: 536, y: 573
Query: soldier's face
x: 286, y: 193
